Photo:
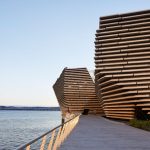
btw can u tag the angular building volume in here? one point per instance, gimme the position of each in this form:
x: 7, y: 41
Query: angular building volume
x: 75, y: 92
x: 122, y: 65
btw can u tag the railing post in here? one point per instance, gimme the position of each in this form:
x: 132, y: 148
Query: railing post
x: 43, y: 143
x: 63, y: 133
x: 56, y: 140
x: 28, y: 147
x: 61, y: 136
x: 66, y: 130
x: 51, y: 141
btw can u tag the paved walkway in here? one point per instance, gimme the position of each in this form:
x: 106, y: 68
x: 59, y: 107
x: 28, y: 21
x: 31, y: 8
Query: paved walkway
x: 97, y: 133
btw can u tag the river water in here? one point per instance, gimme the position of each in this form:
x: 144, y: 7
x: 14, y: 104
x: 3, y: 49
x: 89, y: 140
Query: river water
x: 19, y: 127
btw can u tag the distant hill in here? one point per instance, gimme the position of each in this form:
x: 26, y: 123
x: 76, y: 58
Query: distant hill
x: 29, y: 108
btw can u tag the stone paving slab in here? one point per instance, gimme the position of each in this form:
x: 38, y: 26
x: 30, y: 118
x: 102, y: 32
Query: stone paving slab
x: 97, y: 133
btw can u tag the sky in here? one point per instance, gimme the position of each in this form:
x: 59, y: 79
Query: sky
x: 38, y: 38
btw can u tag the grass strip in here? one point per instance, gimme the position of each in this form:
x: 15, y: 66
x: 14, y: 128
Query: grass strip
x: 142, y: 124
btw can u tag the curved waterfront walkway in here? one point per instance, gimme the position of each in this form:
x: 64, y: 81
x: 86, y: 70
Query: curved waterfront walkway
x: 98, y: 133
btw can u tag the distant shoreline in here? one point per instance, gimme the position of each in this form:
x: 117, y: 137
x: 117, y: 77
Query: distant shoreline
x: 29, y: 108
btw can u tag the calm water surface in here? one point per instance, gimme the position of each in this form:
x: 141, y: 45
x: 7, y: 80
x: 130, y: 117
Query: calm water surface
x: 19, y: 127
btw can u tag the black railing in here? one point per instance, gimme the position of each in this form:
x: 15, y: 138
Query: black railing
x: 52, y: 139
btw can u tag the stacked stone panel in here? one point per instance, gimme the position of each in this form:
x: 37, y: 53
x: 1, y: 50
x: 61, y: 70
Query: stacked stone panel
x: 122, y: 64
x: 75, y: 92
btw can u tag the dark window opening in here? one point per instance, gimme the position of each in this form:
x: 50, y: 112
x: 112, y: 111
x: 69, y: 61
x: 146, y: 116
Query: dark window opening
x: 85, y: 112
x: 141, y: 114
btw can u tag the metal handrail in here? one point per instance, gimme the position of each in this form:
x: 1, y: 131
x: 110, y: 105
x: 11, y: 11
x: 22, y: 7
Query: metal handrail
x: 43, y: 135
